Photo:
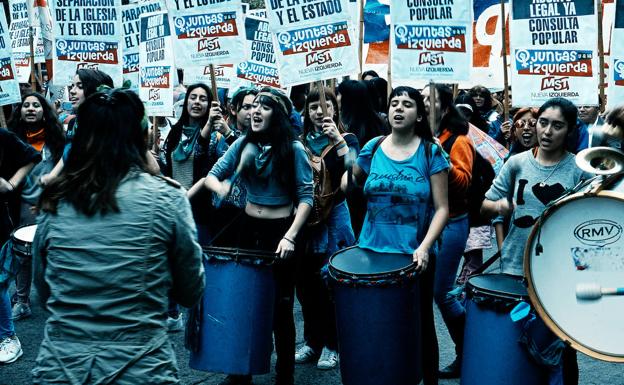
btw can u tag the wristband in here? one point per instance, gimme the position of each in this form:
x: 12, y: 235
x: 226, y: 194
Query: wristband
x: 12, y: 185
x: 289, y: 240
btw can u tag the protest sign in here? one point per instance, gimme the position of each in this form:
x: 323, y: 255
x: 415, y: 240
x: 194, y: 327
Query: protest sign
x: 210, y: 33
x: 553, y: 50
x: 616, y: 84
x: 431, y: 40
x: 156, y: 64
x: 224, y: 75
x: 19, y: 33
x: 487, y: 44
x: 314, y: 40
x: 41, y: 20
x: 260, y: 12
x: 9, y: 86
x: 259, y: 66
x: 86, y: 35
x: 130, y: 20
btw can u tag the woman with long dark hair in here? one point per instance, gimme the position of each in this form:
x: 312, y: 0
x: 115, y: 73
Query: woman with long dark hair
x: 323, y: 137
x: 539, y: 176
x: 35, y: 122
x: 410, y: 181
x: 85, y: 83
x: 193, y: 146
x: 278, y: 180
x: 357, y: 111
x: 451, y: 129
x: 358, y: 116
x: 136, y: 246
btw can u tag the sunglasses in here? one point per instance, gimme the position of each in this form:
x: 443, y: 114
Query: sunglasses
x: 521, y: 123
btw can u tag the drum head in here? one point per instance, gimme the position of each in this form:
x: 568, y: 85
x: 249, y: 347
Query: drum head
x: 25, y: 234
x: 502, y: 286
x: 364, y: 262
x: 582, y: 244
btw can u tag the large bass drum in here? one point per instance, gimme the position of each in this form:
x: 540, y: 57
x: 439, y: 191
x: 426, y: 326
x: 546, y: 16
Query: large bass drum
x: 577, y: 244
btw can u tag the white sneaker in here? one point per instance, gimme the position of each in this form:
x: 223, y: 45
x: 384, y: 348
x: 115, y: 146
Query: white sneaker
x: 10, y: 350
x: 175, y: 325
x: 328, y: 359
x: 304, y: 354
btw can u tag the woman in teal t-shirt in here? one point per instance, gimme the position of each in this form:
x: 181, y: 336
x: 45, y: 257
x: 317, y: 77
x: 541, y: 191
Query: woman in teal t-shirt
x: 405, y: 182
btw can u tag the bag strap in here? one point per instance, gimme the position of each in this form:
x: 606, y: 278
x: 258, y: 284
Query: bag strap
x: 376, y: 146
x: 449, y: 143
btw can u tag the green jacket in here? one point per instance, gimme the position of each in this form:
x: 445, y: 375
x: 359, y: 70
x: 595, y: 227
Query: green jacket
x: 107, y: 280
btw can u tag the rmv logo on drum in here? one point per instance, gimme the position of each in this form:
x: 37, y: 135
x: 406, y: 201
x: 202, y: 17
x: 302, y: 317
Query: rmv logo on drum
x: 598, y: 232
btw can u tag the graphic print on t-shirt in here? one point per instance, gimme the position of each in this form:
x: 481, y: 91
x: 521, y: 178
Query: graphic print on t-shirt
x: 543, y: 192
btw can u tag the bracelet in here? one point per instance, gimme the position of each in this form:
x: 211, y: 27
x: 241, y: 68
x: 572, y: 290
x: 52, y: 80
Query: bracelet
x: 12, y: 185
x: 289, y: 240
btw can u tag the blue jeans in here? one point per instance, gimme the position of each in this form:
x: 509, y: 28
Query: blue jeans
x: 454, y: 239
x: 6, y: 317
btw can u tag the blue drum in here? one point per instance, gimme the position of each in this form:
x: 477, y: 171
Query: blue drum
x: 377, y: 315
x: 236, y: 316
x: 496, y: 349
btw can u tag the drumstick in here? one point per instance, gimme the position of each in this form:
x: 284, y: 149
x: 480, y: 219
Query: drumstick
x: 349, y: 160
x: 592, y: 291
x: 248, y: 154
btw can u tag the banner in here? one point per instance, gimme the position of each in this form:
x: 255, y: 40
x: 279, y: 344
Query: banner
x: 86, y: 35
x: 616, y: 83
x: 210, y: 33
x: 554, y: 53
x: 224, y: 75
x: 130, y: 21
x: 431, y: 42
x: 156, y: 64
x: 487, y: 45
x: 9, y: 86
x: 260, y: 66
x: 41, y: 20
x: 19, y: 33
x: 314, y: 40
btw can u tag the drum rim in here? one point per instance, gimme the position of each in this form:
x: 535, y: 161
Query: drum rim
x: 516, y: 298
x: 21, y: 241
x: 240, y: 255
x: 402, y: 271
x: 535, y: 299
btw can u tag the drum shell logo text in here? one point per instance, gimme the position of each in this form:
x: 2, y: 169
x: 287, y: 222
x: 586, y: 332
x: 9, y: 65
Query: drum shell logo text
x: 598, y: 232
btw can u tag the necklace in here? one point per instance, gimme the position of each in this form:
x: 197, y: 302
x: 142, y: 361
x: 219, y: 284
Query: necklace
x: 543, y: 182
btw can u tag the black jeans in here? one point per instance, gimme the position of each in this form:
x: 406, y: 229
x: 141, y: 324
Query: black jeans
x: 319, y: 319
x: 265, y: 234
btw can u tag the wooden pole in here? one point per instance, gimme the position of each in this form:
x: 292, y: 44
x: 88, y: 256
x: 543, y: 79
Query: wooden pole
x: 33, y: 79
x: 155, y: 131
x: 601, y: 84
x: 389, y: 70
x: 213, y: 83
x: 3, y: 122
x: 455, y: 90
x: 332, y: 84
x: 505, y: 77
x: 432, y: 109
x: 322, y: 97
x: 361, y: 39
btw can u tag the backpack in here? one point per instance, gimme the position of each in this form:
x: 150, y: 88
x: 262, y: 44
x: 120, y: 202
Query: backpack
x: 482, y: 178
x: 323, y: 190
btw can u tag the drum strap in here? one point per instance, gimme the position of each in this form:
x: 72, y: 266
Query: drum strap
x: 487, y: 264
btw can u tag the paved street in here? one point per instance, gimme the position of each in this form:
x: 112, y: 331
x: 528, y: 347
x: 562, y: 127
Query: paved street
x: 593, y: 372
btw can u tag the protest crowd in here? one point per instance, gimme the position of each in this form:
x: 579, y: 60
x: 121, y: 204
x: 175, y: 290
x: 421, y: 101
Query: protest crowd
x: 165, y: 199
